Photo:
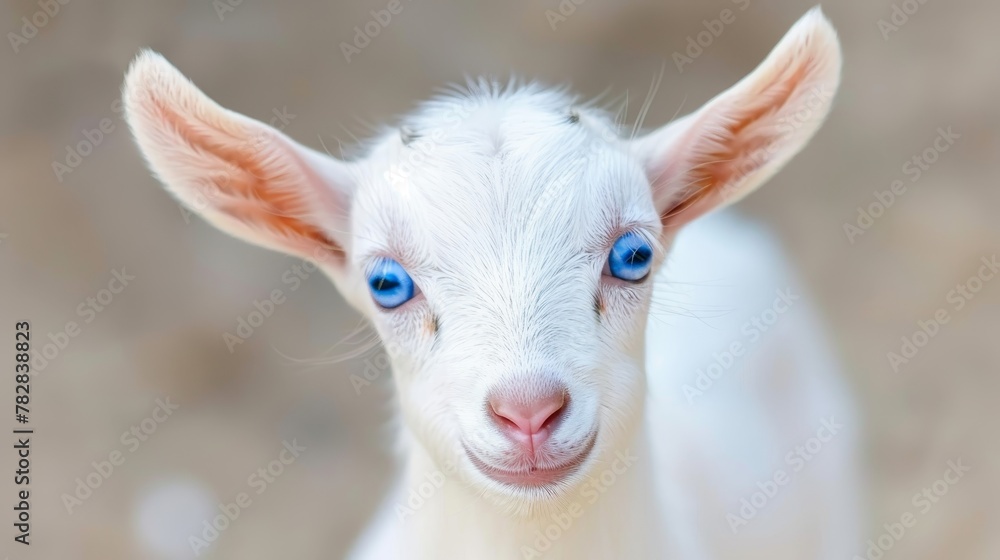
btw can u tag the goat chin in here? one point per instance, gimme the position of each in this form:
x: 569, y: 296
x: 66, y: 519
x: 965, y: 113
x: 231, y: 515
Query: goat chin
x: 739, y: 375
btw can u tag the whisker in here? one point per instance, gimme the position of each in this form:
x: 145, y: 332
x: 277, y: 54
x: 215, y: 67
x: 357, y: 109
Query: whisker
x: 648, y: 102
x: 367, y: 343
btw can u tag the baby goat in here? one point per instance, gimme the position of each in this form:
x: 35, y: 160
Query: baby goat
x: 505, y: 244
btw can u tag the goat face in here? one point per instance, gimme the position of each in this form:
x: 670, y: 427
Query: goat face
x: 503, y: 245
x: 529, y: 234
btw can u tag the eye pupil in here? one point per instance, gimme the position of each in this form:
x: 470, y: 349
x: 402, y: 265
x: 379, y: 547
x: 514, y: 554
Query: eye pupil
x: 384, y: 283
x: 639, y: 256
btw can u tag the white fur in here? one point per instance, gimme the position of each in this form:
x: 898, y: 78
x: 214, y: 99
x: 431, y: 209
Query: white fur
x: 502, y: 204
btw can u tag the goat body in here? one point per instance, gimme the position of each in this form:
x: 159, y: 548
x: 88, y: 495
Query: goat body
x: 712, y: 441
x: 505, y: 243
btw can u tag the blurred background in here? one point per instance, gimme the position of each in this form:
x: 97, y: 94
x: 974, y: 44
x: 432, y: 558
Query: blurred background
x: 87, y: 235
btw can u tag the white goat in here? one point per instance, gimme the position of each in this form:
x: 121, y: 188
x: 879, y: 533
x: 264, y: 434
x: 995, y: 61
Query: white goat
x: 505, y: 243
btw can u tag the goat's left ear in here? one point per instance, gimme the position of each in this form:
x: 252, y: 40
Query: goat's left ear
x: 742, y: 137
x: 243, y: 176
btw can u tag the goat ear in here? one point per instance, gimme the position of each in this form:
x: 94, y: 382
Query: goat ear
x: 742, y: 137
x: 243, y: 176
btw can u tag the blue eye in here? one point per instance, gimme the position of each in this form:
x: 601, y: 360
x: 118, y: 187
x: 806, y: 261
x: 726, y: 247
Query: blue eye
x: 630, y: 258
x: 391, y: 286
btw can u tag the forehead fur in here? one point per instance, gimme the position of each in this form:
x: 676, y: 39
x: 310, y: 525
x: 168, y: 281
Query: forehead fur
x: 499, y: 163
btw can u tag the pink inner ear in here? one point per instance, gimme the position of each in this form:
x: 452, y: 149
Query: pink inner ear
x: 261, y: 194
x: 736, y: 144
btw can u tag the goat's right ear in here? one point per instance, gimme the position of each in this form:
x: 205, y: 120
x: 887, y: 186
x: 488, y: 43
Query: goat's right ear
x: 243, y: 176
x: 742, y: 137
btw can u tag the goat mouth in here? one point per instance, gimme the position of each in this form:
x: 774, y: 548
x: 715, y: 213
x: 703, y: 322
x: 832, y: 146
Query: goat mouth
x: 534, y: 477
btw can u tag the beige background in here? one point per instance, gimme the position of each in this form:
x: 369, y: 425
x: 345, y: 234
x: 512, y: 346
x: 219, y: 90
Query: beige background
x: 162, y: 336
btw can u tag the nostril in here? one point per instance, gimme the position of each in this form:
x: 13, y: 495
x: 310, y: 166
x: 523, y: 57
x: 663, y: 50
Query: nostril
x: 501, y: 419
x: 557, y: 413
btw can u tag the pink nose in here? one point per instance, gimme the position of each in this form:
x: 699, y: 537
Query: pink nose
x: 528, y: 422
